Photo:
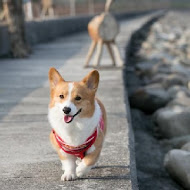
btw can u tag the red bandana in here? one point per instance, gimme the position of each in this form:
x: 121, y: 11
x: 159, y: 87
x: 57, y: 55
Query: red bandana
x: 79, y: 151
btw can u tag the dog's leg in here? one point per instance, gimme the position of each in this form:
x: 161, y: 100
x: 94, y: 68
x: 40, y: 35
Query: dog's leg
x: 69, y: 167
x: 68, y: 161
x: 91, y: 157
x: 83, y: 168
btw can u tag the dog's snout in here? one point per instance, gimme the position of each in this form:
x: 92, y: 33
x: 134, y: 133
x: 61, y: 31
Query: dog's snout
x: 66, y: 110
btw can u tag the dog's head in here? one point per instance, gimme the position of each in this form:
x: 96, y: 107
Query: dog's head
x: 73, y: 99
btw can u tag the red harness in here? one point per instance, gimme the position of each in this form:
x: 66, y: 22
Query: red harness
x: 79, y: 151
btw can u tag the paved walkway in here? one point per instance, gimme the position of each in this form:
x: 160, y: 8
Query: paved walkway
x: 27, y: 160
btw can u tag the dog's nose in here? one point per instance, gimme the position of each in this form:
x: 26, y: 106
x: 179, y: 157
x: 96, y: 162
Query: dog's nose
x: 66, y: 110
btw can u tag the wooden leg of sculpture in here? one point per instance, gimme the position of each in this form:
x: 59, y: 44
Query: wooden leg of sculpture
x: 5, y: 13
x: 117, y: 55
x: 90, y: 53
x: 108, y: 44
x: 43, y: 13
x: 51, y: 12
x: 98, y: 53
x: 2, y: 15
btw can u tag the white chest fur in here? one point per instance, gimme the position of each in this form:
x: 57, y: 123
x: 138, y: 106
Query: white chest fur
x: 76, y: 132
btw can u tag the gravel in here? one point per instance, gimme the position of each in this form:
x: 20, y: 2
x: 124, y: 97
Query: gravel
x: 158, y: 54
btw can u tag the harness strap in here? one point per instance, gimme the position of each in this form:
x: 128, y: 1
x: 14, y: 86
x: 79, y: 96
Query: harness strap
x: 79, y: 151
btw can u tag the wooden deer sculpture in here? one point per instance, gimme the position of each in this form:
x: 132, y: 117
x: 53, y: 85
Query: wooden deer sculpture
x: 103, y: 29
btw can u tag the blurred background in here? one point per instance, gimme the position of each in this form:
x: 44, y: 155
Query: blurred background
x: 35, y: 9
x: 13, y: 13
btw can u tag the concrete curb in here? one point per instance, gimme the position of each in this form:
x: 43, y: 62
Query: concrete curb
x: 131, y: 146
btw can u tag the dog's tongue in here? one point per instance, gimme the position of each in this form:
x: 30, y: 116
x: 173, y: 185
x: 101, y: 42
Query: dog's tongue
x: 68, y: 118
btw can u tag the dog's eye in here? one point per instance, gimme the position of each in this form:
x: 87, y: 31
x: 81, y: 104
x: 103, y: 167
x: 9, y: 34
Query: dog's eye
x: 61, y: 96
x: 77, y: 98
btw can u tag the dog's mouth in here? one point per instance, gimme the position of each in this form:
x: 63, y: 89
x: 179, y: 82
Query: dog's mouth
x: 69, y: 118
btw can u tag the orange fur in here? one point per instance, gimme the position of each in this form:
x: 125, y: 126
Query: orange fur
x: 85, y: 88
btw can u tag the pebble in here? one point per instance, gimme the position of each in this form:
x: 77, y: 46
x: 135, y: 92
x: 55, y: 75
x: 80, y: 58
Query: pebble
x: 176, y: 142
x: 186, y: 146
x: 173, y: 121
x: 177, y: 164
x: 177, y: 91
x: 149, y: 98
x: 164, y: 72
x: 181, y: 100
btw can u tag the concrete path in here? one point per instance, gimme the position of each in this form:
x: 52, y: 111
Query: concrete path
x: 27, y: 160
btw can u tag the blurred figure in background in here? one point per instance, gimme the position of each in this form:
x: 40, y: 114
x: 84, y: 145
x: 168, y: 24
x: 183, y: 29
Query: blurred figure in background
x: 28, y: 9
x: 4, y: 10
x: 1, y: 7
x: 27, y: 6
x: 47, y: 8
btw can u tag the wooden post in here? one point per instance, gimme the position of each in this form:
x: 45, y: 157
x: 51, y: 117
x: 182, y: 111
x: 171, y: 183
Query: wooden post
x: 91, y: 7
x: 28, y: 10
x: 72, y: 7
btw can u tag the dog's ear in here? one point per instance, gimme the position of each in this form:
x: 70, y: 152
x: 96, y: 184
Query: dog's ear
x: 54, y: 77
x: 92, y: 80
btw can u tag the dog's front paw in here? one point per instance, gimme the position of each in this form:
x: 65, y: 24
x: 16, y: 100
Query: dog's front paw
x: 82, y: 169
x: 78, y: 161
x: 68, y: 176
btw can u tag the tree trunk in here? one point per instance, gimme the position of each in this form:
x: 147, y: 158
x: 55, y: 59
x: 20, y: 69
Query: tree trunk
x: 15, y: 20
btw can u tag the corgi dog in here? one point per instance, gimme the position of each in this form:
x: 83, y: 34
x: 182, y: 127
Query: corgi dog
x: 78, y: 121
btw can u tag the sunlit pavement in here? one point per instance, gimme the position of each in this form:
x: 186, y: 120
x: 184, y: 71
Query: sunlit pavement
x: 27, y: 160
